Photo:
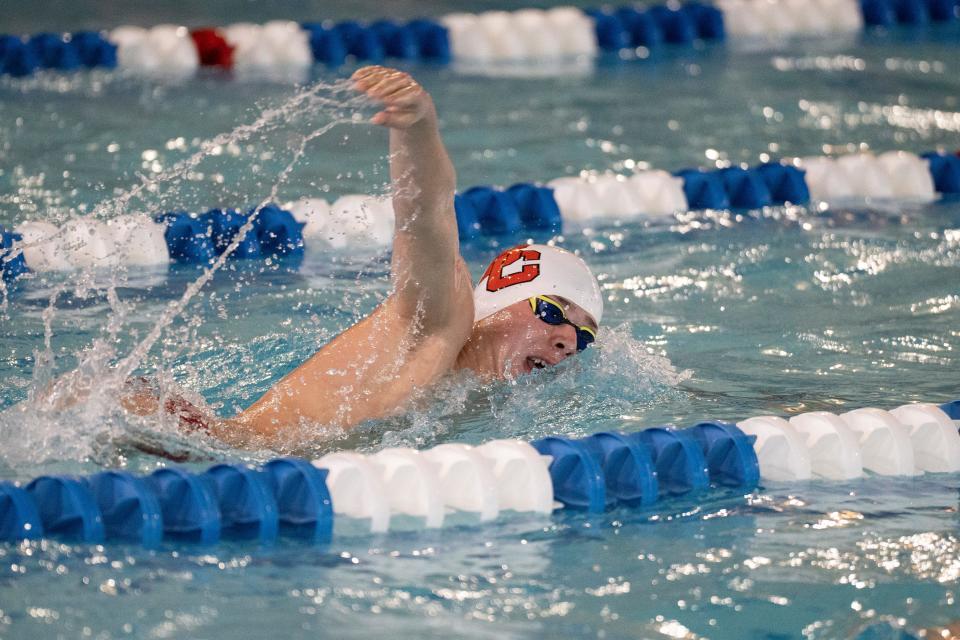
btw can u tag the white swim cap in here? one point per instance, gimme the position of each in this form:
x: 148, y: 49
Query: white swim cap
x: 536, y: 269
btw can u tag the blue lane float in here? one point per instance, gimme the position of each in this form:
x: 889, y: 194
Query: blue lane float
x: 578, y: 480
x: 246, y: 501
x: 888, y: 13
x: 785, y: 182
x: 54, y: 51
x: 729, y: 454
x: 225, y: 224
x: 16, y: 58
x: 704, y: 189
x: 631, y: 27
x: 198, y: 239
x: 57, y: 51
x: 945, y: 169
x: 326, y: 44
x: 304, y: 504
x: 19, y: 517
x: 537, y: 206
x: 952, y: 409
x: 745, y: 188
x: 128, y: 508
x: 11, y: 265
x: 497, y: 213
x: 188, y: 506
x: 187, y: 237
x: 677, y: 458
x: 491, y: 212
x: 67, y: 508
x: 628, y: 468
x: 418, y: 40
x: 770, y: 183
x: 287, y: 495
x: 610, y: 469
x: 95, y: 50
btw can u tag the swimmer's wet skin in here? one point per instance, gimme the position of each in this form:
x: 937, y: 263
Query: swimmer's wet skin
x: 433, y: 322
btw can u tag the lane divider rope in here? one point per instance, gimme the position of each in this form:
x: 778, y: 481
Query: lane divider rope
x: 287, y: 49
x: 366, y: 222
x: 293, y: 497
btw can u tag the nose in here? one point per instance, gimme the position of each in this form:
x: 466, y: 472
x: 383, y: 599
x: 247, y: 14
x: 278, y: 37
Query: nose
x: 565, y: 339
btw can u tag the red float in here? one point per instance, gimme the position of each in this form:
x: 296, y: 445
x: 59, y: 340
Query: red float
x: 212, y: 49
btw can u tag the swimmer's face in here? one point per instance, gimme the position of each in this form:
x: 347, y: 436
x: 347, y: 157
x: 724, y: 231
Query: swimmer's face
x: 523, y: 342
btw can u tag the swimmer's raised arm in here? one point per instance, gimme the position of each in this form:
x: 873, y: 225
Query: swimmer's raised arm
x: 372, y: 369
x: 426, y: 255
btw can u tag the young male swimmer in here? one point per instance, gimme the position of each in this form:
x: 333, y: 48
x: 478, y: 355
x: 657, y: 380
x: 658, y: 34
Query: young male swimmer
x: 534, y: 306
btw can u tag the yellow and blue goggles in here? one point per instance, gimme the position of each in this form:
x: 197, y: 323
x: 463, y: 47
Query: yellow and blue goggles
x: 551, y: 312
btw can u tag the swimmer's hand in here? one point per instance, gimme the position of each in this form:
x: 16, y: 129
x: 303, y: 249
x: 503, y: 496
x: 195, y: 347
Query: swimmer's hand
x: 405, y: 102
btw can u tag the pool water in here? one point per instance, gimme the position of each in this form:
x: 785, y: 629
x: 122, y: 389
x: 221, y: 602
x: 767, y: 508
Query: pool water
x: 709, y: 315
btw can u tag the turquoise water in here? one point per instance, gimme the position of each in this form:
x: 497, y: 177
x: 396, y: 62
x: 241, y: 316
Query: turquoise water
x: 708, y: 316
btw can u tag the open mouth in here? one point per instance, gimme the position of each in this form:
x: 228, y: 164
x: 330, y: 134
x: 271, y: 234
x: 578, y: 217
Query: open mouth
x: 536, y: 363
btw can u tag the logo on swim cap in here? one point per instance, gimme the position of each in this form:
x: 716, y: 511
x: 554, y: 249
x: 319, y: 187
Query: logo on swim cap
x: 536, y: 269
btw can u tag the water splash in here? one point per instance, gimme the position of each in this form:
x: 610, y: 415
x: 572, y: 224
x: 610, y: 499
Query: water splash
x: 73, y: 416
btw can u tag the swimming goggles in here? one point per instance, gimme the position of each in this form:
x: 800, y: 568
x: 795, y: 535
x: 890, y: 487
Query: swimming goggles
x: 551, y: 312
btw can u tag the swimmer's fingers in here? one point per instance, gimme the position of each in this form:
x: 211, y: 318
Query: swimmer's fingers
x: 390, y: 89
x: 405, y: 101
x: 379, y: 81
x: 364, y: 74
x: 385, y: 84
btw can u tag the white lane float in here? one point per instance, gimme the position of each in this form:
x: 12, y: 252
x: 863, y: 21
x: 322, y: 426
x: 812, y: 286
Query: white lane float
x: 356, y: 488
x: 165, y: 50
x: 609, y: 195
x: 139, y: 241
x: 779, y: 18
x: 365, y: 221
x: 893, y: 175
x: 466, y: 480
x: 485, y: 480
x: 906, y: 441
x: 834, y: 448
x: 885, y: 447
x: 518, y: 36
x: 87, y: 243
x: 521, y: 475
x: 352, y: 221
x: 934, y: 436
x: 781, y: 451
x: 411, y: 484
x: 278, y: 50
x: 130, y: 240
x: 41, y: 250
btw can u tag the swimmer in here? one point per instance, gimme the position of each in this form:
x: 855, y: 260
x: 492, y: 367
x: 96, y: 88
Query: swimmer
x: 534, y: 306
